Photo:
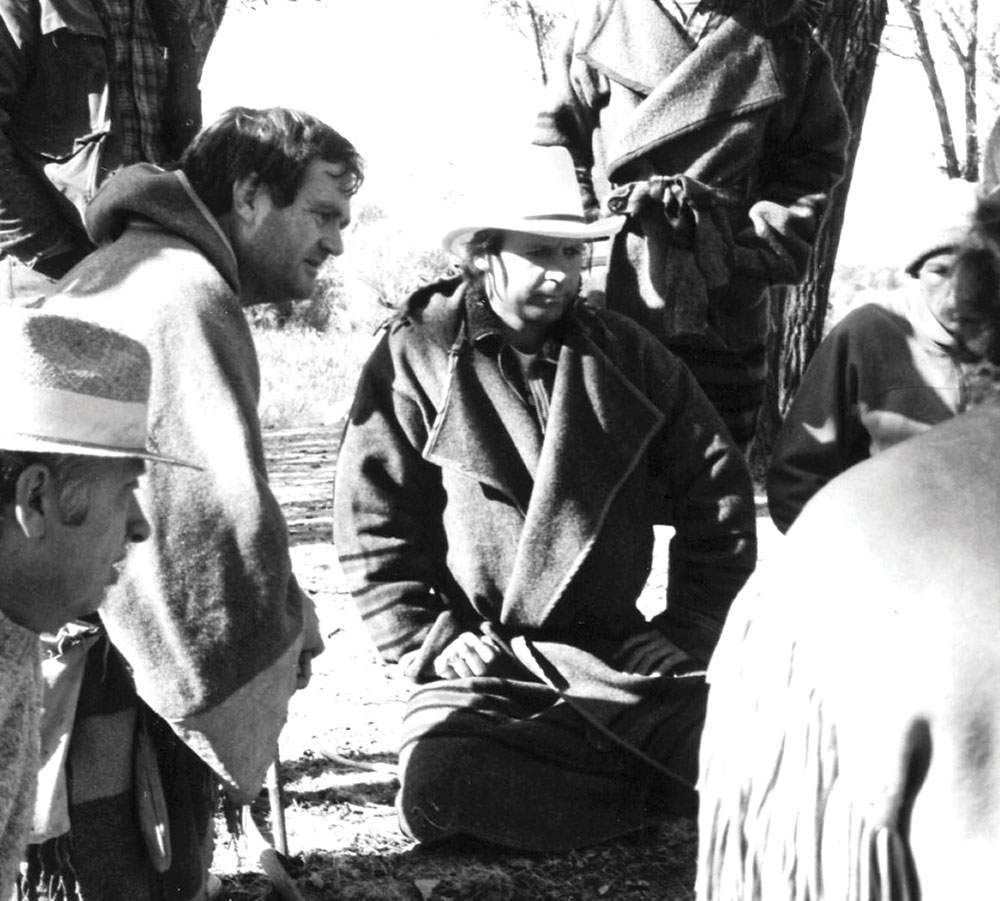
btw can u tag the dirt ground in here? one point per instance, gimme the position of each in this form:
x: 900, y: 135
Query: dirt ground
x: 337, y: 758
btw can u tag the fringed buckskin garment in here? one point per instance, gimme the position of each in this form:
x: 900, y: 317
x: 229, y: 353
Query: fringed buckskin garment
x: 207, y: 622
x: 455, y: 512
x: 722, y: 152
x: 850, y: 748
x: 885, y: 373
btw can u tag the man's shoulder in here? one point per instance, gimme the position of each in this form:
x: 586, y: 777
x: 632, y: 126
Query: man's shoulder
x: 149, y: 258
x: 430, y: 315
x: 868, y: 321
x: 150, y: 281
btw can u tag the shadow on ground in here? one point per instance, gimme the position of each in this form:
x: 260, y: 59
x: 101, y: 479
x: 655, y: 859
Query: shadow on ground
x: 656, y: 864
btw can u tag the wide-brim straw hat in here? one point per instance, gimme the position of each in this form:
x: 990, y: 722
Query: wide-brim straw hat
x: 73, y: 387
x: 535, y: 192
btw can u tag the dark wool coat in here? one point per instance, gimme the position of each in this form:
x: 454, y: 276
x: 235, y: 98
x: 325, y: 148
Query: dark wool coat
x: 451, y: 510
x: 750, y: 119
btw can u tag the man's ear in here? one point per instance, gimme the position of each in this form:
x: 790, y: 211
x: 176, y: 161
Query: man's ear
x: 247, y: 195
x: 36, y: 500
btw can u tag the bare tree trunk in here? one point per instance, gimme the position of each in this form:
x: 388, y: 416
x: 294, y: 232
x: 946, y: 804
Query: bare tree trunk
x: 851, y: 30
x: 915, y: 13
x: 970, y: 69
x: 537, y: 31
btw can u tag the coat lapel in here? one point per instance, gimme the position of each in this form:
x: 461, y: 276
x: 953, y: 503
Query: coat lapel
x: 729, y: 74
x: 637, y: 46
x: 599, y: 428
x: 483, y: 430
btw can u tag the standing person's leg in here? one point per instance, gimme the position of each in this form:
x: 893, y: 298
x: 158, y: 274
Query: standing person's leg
x: 734, y: 383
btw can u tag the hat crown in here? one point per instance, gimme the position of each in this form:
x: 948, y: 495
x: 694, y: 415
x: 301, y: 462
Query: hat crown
x: 541, y: 185
x: 536, y: 191
x: 72, y: 386
x: 59, y: 353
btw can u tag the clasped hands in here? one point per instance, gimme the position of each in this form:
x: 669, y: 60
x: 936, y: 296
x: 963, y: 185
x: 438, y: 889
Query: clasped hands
x: 646, y: 653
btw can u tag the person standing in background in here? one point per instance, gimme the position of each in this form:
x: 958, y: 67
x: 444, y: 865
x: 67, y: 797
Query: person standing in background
x: 717, y: 129
x: 87, y: 86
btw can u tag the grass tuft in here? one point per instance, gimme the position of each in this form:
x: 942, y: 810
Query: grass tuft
x: 308, y: 377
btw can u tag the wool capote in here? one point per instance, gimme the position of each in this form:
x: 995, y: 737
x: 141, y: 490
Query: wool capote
x: 454, y: 512
x: 207, y: 616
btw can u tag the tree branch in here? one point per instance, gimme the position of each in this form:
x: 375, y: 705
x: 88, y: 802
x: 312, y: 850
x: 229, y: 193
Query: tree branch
x: 926, y: 58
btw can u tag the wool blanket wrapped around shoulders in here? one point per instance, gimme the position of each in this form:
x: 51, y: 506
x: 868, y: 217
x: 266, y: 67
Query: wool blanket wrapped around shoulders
x: 207, y: 613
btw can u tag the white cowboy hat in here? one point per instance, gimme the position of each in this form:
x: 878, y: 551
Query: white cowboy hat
x: 73, y: 387
x: 538, y: 194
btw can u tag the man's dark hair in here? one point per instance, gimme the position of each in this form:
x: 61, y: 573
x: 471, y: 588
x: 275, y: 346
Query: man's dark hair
x: 276, y: 145
x: 976, y: 276
x: 976, y: 281
x: 486, y: 242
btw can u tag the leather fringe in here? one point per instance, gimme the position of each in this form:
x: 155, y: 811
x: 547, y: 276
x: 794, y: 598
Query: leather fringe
x: 47, y: 873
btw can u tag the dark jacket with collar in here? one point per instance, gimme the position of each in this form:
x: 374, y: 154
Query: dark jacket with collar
x: 449, y: 500
x: 56, y: 113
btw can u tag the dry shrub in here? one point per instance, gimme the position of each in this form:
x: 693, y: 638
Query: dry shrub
x: 384, y: 261
x: 852, y: 286
x: 308, y: 377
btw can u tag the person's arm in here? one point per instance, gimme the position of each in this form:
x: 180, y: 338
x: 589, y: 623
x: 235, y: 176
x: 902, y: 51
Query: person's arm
x: 822, y: 434
x: 796, y: 177
x: 388, y: 530
x: 34, y: 227
x: 704, y: 481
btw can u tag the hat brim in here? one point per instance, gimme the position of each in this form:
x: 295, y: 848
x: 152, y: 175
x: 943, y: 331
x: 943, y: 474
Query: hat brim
x: 456, y: 240
x: 30, y: 443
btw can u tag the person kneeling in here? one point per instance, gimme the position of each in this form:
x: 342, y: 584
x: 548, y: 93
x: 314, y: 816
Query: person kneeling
x: 507, y: 456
